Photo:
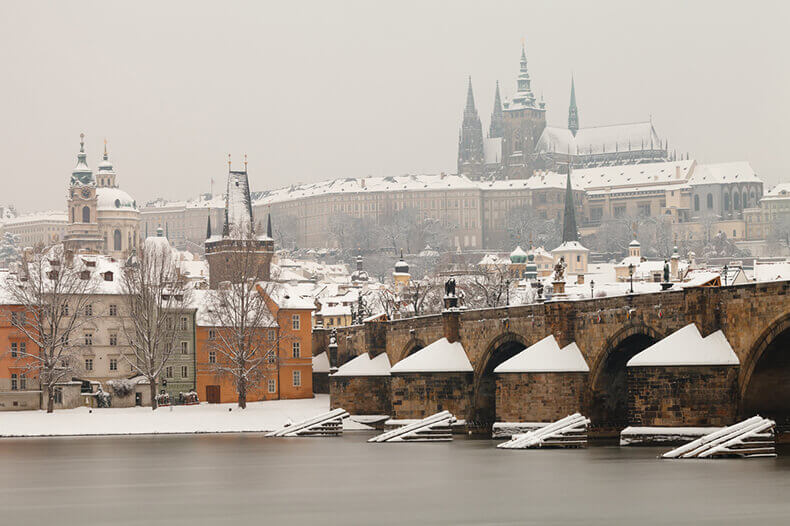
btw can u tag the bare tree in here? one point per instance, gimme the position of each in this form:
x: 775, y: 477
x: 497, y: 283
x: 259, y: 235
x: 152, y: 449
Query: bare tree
x: 779, y: 229
x: 524, y: 226
x: 424, y: 296
x: 155, y: 297
x: 54, y: 290
x: 245, y: 339
x: 488, y: 288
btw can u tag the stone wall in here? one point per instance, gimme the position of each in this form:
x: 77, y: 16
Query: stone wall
x: 320, y: 383
x: 539, y: 397
x: 417, y: 395
x: 683, y: 396
x: 361, y: 395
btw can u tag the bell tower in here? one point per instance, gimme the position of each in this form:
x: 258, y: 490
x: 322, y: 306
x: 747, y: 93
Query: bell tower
x: 82, y: 232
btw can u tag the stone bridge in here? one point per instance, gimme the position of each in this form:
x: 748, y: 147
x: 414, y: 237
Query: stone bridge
x: 609, y: 331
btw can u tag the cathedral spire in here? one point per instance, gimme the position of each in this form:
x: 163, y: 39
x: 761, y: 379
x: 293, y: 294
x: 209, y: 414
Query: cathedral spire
x: 269, y: 226
x: 497, y: 118
x: 569, y: 231
x: 208, y: 225
x: 470, y: 100
x: 524, y: 95
x: 81, y: 173
x: 573, y: 112
x: 470, y: 140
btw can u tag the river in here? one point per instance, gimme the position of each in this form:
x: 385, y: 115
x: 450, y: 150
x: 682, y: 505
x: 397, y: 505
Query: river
x: 248, y: 479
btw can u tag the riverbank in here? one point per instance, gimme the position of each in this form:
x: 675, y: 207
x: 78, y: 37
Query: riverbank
x: 203, y: 418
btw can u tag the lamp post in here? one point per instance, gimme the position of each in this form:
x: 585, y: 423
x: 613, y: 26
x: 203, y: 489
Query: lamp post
x: 592, y: 288
x: 725, y: 274
x: 631, y: 275
x: 507, y: 292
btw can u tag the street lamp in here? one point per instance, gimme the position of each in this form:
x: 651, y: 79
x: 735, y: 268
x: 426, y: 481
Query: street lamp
x: 507, y: 292
x: 631, y: 275
x: 592, y: 288
x: 725, y: 274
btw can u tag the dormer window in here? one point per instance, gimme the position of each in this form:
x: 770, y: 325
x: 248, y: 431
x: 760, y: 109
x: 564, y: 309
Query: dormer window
x: 85, y: 275
x: 108, y: 276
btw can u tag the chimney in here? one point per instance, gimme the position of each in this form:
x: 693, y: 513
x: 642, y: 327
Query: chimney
x: 451, y: 322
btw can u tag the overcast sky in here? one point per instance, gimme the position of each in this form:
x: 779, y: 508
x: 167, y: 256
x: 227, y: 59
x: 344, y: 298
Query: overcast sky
x: 318, y: 90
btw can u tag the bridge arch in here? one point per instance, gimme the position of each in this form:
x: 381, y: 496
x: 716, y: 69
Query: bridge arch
x: 608, y: 381
x: 504, y: 346
x: 765, y: 374
x: 411, y: 347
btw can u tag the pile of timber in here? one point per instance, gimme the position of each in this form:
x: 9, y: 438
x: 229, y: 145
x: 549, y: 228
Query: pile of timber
x: 324, y: 425
x: 568, y: 432
x: 748, y: 439
x: 435, y: 428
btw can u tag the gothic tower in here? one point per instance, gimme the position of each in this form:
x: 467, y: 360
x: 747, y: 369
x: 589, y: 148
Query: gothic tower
x: 573, y: 112
x: 470, y: 140
x: 497, y: 117
x: 525, y: 119
x: 569, y: 229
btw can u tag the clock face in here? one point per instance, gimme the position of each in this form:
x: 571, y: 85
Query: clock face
x: 86, y: 193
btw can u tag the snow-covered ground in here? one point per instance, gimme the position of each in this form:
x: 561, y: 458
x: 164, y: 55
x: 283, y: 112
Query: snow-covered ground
x: 203, y: 418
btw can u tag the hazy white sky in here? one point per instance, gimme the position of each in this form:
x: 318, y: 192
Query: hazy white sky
x: 317, y: 90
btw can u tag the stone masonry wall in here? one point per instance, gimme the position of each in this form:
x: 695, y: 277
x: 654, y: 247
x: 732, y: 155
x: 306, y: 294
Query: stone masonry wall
x: 417, y: 395
x: 361, y: 395
x: 539, y: 397
x: 683, y: 396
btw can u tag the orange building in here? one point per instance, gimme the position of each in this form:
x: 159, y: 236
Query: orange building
x: 19, y: 385
x: 287, y: 375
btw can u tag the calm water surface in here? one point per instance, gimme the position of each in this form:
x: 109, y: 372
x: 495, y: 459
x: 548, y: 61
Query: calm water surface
x: 248, y: 479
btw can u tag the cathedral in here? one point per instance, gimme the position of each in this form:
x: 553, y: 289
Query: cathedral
x: 519, y: 142
x: 102, y: 218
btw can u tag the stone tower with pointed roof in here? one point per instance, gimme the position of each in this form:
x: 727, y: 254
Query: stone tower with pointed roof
x: 240, y: 253
x: 471, y: 157
x: 524, y: 121
x: 573, y: 111
x: 497, y: 126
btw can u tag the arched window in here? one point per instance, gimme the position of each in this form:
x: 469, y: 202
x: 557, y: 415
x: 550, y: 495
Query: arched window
x: 86, y: 214
x: 726, y: 201
x: 72, y: 214
x: 745, y: 201
x: 736, y: 201
x: 116, y: 239
x: 696, y: 203
x: 710, y: 201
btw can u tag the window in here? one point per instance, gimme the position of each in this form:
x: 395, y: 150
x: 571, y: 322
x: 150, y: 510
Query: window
x: 88, y: 310
x: 296, y: 322
x: 88, y: 364
x: 88, y: 338
x: 297, y: 377
x: 22, y: 381
x: 271, y: 335
x: 726, y: 201
x: 113, y: 310
x: 169, y: 371
x: 296, y: 349
x: 696, y: 203
x: 211, y: 334
x: 58, y: 395
x: 271, y: 357
x: 22, y: 348
x: 65, y: 309
x: 710, y: 201
x: 212, y: 357
x: 184, y: 371
x: 184, y: 347
x: 14, y: 385
x: 619, y: 211
x: 184, y: 323
x: 113, y: 339
x: 272, y: 386
x: 113, y: 364
x: 86, y: 214
x: 644, y: 209
x: 596, y: 214
x: 14, y: 349
x: 169, y: 323
x: 116, y: 240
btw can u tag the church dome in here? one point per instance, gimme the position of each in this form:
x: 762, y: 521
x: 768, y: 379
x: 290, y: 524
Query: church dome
x: 157, y: 244
x: 114, y: 199
x: 634, y: 243
x: 401, y: 266
x: 518, y: 256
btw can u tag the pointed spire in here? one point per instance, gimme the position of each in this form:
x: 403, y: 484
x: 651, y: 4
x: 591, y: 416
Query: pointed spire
x: 208, y: 225
x: 269, y: 226
x: 497, y: 127
x: 470, y: 100
x: 81, y: 173
x: 105, y: 149
x: 569, y: 231
x: 573, y: 111
x: 470, y: 139
x: 524, y: 95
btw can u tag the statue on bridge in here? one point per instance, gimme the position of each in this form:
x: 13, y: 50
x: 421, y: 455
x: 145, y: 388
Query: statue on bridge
x: 666, y: 271
x: 559, y: 270
x: 449, y: 287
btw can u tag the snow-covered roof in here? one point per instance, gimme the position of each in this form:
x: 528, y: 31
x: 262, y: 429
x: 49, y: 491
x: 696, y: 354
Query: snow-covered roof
x: 335, y: 310
x: 204, y: 301
x: 362, y: 365
x: 700, y: 278
x: 734, y: 172
x: 51, y: 216
x: 545, y: 356
x: 114, y: 199
x: 440, y: 356
x: 321, y: 363
x: 289, y: 297
x: 772, y: 271
x: 570, y: 246
x: 599, y: 139
x: 687, y: 347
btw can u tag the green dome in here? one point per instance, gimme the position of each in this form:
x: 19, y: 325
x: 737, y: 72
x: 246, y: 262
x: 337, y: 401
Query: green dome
x: 518, y: 256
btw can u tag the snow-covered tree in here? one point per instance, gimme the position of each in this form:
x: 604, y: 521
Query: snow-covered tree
x: 9, y: 249
x: 155, y: 298
x: 53, y: 290
x: 524, y: 227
